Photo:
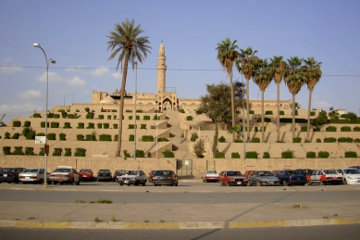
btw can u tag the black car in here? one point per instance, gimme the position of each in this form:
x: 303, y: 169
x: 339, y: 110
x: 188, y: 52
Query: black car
x: 165, y: 177
x: 10, y: 175
x: 104, y: 175
x: 288, y: 177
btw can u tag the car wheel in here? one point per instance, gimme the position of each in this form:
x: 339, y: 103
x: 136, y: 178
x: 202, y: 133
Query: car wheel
x: 144, y: 183
x: 78, y: 182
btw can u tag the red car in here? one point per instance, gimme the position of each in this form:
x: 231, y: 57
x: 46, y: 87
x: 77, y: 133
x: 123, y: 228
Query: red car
x: 234, y: 178
x: 86, y: 174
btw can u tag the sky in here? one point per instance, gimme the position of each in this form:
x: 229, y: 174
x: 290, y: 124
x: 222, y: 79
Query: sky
x: 75, y: 34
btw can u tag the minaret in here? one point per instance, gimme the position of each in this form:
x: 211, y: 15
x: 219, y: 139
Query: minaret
x: 161, y: 70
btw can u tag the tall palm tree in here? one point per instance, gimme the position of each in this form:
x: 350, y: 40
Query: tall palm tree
x: 263, y: 77
x: 245, y: 65
x: 126, y: 41
x: 294, y: 79
x: 278, y: 68
x: 313, y: 73
x: 227, y: 54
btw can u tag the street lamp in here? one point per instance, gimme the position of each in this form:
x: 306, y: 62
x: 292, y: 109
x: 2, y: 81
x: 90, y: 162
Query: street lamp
x: 46, y: 147
x: 135, y: 112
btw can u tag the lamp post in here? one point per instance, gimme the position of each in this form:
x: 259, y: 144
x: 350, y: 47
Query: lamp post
x: 46, y: 147
x: 135, y: 112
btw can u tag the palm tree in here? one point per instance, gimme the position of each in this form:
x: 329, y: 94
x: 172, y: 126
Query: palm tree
x: 313, y: 73
x: 227, y: 54
x: 263, y: 77
x: 278, y: 68
x: 245, y: 65
x: 125, y: 41
x: 294, y: 79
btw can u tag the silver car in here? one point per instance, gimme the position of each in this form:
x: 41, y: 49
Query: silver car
x: 34, y: 175
x: 135, y: 177
x: 260, y: 178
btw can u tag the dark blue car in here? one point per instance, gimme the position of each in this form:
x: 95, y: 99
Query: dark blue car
x: 290, y: 177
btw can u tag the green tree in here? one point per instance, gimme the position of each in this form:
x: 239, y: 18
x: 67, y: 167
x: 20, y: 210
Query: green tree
x: 126, y: 42
x: 313, y: 75
x: 278, y: 68
x: 294, y: 79
x: 246, y: 63
x: 227, y: 54
x: 263, y: 77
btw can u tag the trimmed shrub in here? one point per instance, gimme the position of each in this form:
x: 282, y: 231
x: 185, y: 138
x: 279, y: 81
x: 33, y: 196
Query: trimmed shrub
x: 36, y: 115
x: 67, y: 125
x: 222, y: 139
x: 105, y: 137
x: 99, y: 125
x: 87, y: 109
x: 80, y: 137
x: 235, y: 155
x: 168, y: 153
x: 146, y: 117
x: 7, y: 135
x: 7, y: 150
x: 131, y: 137
x: 126, y: 154
x: 312, y: 113
x: 356, y: 129
x: 268, y: 112
x: 101, y: 116
x: 130, y: 117
x: 139, y: 111
x: 345, y: 140
x: 90, y: 115
x: 323, y: 154
x: 310, y: 154
x: 156, y: 117
x: 251, y: 112
x: 329, y: 140
x: 131, y: 126
x: 90, y: 137
x: 28, y: 133
x: 304, y: 129
x: 318, y: 140
x: 252, y: 154
x: 351, y: 154
x: 80, y: 152
x: 114, y: 110
x: 346, y: 129
x: 18, y: 151
x: 29, y: 151
x: 106, y: 125
x: 57, y: 152
x: 115, y: 126
x: 54, y: 125
x: 189, y: 118
x: 90, y: 125
x: 297, y: 140
x: 15, y: 136
x: 357, y: 140
x: 41, y: 134
x: 194, y: 136
x: 255, y: 140
x: 149, y: 154
x: 147, y: 138
x: 163, y: 139
x: 140, y: 153
x: 51, y: 136
x: 281, y: 113
x: 266, y: 155
x: 143, y: 126
x: 128, y: 111
x: 27, y: 124
x: 287, y: 154
x: 67, y: 152
x: 181, y: 110
x: 41, y: 152
x: 109, y: 117
x: 62, y: 136
x: 219, y: 155
x: 71, y: 116
x: 42, y: 124
x: 115, y: 137
x: 331, y: 129
x: 81, y: 125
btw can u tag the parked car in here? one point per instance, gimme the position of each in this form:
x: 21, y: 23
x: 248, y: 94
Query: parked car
x: 165, y: 177
x: 234, y: 178
x: 10, y: 175
x: 117, y: 174
x: 326, y: 176
x: 34, y: 175
x: 260, y: 178
x: 104, y: 175
x: 151, y: 175
x: 289, y: 177
x: 210, y: 176
x: 350, y: 175
x: 135, y: 177
x: 306, y: 172
x: 357, y: 167
x: 65, y: 174
x: 86, y: 174
x: 248, y: 172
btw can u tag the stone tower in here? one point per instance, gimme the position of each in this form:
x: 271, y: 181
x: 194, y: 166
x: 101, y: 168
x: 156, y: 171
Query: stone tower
x: 161, y: 70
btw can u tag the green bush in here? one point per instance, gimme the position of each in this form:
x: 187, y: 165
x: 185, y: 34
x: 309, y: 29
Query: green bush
x: 304, y: 129
x: 114, y: 110
x: 345, y: 140
x: 267, y: 120
x: 36, y: 115
x: 105, y: 137
x: 106, y: 125
x: 42, y: 124
x: 131, y: 137
x: 310, y: 154
x: 331, y: 129
x: 266, y: 155
x: 16, y: 124
x: 7, y: 150
x: 41, y: 152
x: 126, y: 154
x: 18, y: 151
x: 54, y: 125
x: 222, y: 139
x: 318, y: 140
x: 131, y: 126
x: 194, y: 136
x: 90, y: 137
x: 351, y: 154
x: 143, y: 126
x: 251, y: 154
x: 356, y: 129
x: 80, y: 137
x: 29, y: 151
x: 90, y: 125
x: 219, y: 155
x: 139, y: 111
x: 53, y: 115
x: 40, y: 134
x: 156, y: 117
x: 163, y: 139
x: 323, y: 154
x: 81, y: 125
x: 255, y: 140
x: 90, y: 115
x: 268, y: 112
x: 80, y: 152
x: 297, y: 140
x: 130, y: 117
x: 312, y: 113
x: 51, y: 136
x: 67, y: 125
x: 251, y: 112
x: 28, y: 133
x: 99, y: 125
x: 115, y: 126
x: 168, y: 153
x: 287, y: 154
x: 62, y: 136
x: 71, y: 116
x: 329, y: 140
x: 189, y: 118
x: 67, y: 152
x: 140, y: 153
x: 109, y: 117
x: 57, y: 152
x: 147, y: 138
x: 128, y: 111
x: 15, y: 136
x: 87, y: 109
x: 346, y: 129
x: 149, y: 154
x: 181, y: 110
x: 281, y: 113
x: 235, y: 155
x: 27, y: 124
x: 115, y: 137
x: 7, y: 135
x: 357, y: 140
x: 146, y: 117
x: 101, y: 116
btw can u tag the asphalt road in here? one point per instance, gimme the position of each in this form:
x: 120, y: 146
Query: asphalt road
x: 344, y: 232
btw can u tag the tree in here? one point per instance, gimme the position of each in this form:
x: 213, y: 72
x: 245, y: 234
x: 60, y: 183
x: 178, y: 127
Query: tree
x: 126, y: 42
x: 199, y: 148
x: 263, y: 77
x: 246, y: 63
x: 294, y: 79
x: 278, y: 68
x: 227, y: 54
x: 313, y: 75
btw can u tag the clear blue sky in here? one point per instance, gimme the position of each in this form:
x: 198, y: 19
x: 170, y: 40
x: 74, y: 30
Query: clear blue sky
x: 74, y: 33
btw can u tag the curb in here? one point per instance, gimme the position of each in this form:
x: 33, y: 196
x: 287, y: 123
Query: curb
x: 176, y: 225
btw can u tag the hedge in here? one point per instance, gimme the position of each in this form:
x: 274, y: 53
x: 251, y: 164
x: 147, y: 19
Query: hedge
x: 41, y: 152
x: 90, y: 115
x: 128, y: 111
x: 356, y: 129
x: 346, y: 129
x: 147, y: 138
x: 42, y: 124
x: 101, y: 116
x: 143, y: 126
x: 105, y: 137
x: 251, y: 112
x: 29, y: 151
x: 281, y: 113
x: 350, y: 154
x: 80, y: 152
x: 36, y: 115
x: 106, y: 125
x: 80, y: 137
x: 331, y: 129
x: 99, y: 125
x: 268, y: 112
x: 81, y: 125
x: 255, y: 140
x: 109, y: 117
x: 54, y: 125
x: 329, y: 140
x: 323, y: 154
x: 131, y: 137
x: 67, y: 125
x: 156, y: 117
x: 357, y: 140
x: 310, y: 154
x: 189, y: 118
x: 219, y: 155
x: 287, y: 154
x: 289, y: 120
x: 304, y: 129
x: 18, y: 151
x: 126, y: 154
x: 140, y: 153
x: 312, y: 113
x: 222, y: 139
x: 67, y: 152
x: 131, y: 126
x: 27, y: 124
x: 297, y: 140
x: 90, y: 137
x: 194, y: 136
x: 15, y: 136
x: 146, y: 117
x: 115, y: 126
x: 51, y: 136
x: 62, y: 136
x: 90, y: 125
x: 29, y: 133
x: 7, y: 150
x: 235, y: 155
x: 139, y: 111
x: 266, y: 155
x: 57, y: 152
x: 345, y: 140
x: 318, y: 140
x: 168, y: 153
x: 181, y: 110
x: 7, y: 135
x: 252, y: 154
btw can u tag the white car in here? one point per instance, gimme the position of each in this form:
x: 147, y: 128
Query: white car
x: 210, y: 176
x: 65, y: 175
x: 32, y: 175
x: 326, y: 176
x: 350, y: 175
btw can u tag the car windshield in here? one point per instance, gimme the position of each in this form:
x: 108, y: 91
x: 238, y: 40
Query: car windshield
x: 211, y: 172
x: 299, y: 172
x: 330, y: 172
x: 130, y: 173
x: 31, y: 170
x: 233, y: 173
x: 163, y: 173
x: 264, y: 174
x: 64, y: 170
x: 7, y: 170
x: 351, y: 171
